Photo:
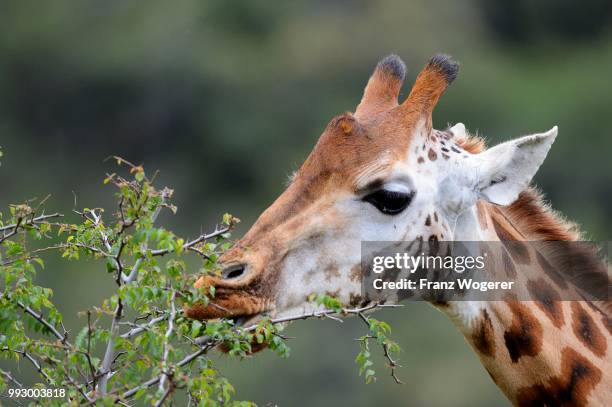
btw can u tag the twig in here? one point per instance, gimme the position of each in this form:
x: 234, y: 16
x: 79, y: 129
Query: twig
x: 97, y: 220
x: 134, y: 272
x: 32, y: 221
x: 78, y: 387
x: 92, y: 369
x: 141, y: 328
x: 189, y: 245
x: 10, y: 378
x: 33, y: 361
x: 117, y: 356
x: 12, y: 232
x: 334, y: 318
x: 58, y: 246
x: 165, y: 373
x: 109, y: 354
x: 165, y: 396
x: 63, y: 338
x: 392, y: 364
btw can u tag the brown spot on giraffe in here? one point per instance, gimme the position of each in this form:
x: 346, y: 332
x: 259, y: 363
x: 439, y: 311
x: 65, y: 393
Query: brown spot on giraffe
x: 517, y: 249
x: 445, y: 156
x: 434, y: 245
x: 571, y: 387
x: 355, y: 274
x: 483, y: 336
x: 309, y: 276
x: 482, y: 215
x: 333, y: 294
x: 586, y: 330
x: 524, y: 337
x: 436, y: 217
x: 332, y: 271
x: 548, y: 300
x: 355, y: 300
x: 420, y: 160
x: 433, y: 156
x: 551, y: 271
x: 508, y: 264
x: 606, y: 318
x: 607, y: 321
x: 428, y: 220
x: 419, y: 240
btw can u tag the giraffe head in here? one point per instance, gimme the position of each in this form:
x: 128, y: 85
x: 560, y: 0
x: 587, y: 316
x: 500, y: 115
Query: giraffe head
x: 379, y: 174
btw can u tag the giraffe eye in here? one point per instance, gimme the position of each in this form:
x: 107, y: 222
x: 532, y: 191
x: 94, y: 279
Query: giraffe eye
x: 389, y: 202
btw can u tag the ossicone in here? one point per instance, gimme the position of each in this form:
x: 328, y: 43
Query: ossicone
x: 383, y: 88
x: 430, y: 84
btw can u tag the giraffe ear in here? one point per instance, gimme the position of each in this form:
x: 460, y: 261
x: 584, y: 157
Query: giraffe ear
x: 505, y: 170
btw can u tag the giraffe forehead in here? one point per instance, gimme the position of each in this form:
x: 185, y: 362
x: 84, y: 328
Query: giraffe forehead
x: 368, y: 150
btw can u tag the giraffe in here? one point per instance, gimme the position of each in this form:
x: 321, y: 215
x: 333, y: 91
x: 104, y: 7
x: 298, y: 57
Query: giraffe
x: 383, y: 173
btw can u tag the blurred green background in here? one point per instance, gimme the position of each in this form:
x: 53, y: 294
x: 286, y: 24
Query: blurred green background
x: 227, y: 98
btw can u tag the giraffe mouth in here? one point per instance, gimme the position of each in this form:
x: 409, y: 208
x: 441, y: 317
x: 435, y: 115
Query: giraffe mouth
x: 249, y: 321
x: 246, y: 321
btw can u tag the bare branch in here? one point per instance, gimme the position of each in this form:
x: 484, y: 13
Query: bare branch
x: 10, y: 378
x: 141, y: 328
x: 189, y: 245
x: 78, y: 387
x: 167, y: 336
x: 109, y: 354
x: 34, y: 362
x: 165, y: 396
x: 38, y: 219
x: 63, y: 338
x: 13, y: 232
x: 92, y: 369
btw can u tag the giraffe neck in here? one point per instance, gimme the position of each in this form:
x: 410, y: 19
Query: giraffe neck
x: 537, y: 353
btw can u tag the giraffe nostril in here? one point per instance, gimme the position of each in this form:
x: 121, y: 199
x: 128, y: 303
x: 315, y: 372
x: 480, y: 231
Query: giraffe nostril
x: 233, y: 272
